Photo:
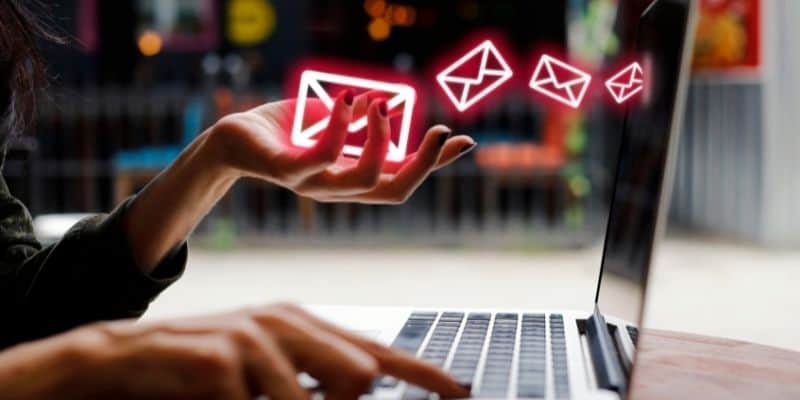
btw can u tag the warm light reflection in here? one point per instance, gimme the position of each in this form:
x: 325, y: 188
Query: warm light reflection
x: 379, y: 29
x: 403, y: 15
x: 150, y: 43
x: 375, y: 8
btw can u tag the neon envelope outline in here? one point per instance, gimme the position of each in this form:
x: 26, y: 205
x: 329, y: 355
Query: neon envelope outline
x: 464, y: 101
x: 569, y: 97
x: 623, y: 89
x: 311, y: 80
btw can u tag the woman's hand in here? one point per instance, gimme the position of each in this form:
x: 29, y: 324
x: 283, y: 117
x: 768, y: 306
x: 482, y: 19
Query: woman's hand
x: 236, y: 356
x: 256, y: 143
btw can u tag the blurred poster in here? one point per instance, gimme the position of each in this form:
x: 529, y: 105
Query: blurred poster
x: 185, y: 25
x: 728, y: 36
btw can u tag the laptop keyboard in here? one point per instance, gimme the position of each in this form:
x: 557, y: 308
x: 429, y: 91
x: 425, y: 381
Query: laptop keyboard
x: 499, y: 358
x: 532, y: 357
x: 633, y: 333
x: 558, y: 343
x: 489, y: 376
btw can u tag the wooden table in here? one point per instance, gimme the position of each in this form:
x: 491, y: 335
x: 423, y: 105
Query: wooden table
x: 674, y: 365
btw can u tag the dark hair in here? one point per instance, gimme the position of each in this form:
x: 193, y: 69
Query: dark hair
x: 22, y: 70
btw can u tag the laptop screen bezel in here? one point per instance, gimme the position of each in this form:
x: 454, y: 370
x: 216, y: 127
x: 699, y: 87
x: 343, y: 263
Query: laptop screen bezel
x: 672, y: 150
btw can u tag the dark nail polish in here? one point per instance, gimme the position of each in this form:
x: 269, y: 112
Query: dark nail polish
x: 466, y: 149
x: 349, y: 97
x: 383, y: 108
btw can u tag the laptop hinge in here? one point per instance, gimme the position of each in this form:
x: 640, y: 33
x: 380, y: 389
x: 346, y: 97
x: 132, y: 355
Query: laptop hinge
x: 607, y: 366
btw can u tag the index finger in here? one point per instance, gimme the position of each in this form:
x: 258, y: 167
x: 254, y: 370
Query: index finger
x: 331, y: 141
x: 396, y: 362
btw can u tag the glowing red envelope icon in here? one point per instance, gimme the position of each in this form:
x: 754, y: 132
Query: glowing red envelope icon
x: 560, y: 81
x: 627, y: 83
x: 474, y: 76
x: 402, y: 98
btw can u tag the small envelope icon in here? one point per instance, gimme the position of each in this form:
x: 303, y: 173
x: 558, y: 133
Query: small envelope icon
x: 474, y: 76
x: 560, y: 81
x: 626, y: 83
x: 313, y: 84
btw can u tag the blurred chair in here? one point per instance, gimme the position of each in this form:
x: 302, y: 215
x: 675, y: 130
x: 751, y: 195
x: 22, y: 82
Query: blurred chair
x: 521, y: 165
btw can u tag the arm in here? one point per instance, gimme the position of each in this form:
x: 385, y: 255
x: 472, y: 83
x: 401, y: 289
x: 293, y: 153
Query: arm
x: 255, y: 144
x: 88, y: 275
x: 112, y: 266
x: 240, y: 355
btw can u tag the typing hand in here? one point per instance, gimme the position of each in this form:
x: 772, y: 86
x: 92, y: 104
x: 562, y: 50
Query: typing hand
x: 239, y: 355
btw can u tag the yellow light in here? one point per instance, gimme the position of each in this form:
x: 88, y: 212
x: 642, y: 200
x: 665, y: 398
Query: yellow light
x: 375, y: 8
x: 379, y: 29
x: 250, y: 22
x: 150, y: 43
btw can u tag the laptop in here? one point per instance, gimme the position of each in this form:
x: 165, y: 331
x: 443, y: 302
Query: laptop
x: 556, y: 354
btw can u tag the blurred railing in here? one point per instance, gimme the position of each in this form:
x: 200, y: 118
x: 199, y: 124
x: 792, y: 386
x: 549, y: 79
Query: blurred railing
x: 66, y: 166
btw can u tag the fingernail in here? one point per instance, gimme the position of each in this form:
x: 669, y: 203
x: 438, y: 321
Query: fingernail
x: 467, y: 148
x: 383, y: 108
x: 349, y: 97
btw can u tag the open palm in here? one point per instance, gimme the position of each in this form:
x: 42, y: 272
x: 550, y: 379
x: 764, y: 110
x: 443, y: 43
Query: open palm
x: 258, y: 143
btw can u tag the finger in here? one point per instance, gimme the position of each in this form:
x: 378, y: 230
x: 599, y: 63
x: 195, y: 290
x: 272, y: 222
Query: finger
x: 227, y: 378
x: 343, y: 369
x: 270, y: 372
x: 377, y: 144
x: 397, y: 190
x: 392, y: 361
x: 365, y: 174
x: 363, y: 101
x: 331, y: 141
x: 453, y: 149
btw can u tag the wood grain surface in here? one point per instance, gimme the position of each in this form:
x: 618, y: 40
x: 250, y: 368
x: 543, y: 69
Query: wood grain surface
x: 673, y: 365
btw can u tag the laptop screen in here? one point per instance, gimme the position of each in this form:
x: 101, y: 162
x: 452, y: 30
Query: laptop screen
x: 643, y: 160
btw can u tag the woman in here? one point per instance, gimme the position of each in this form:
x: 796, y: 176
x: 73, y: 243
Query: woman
x: 108, y: 268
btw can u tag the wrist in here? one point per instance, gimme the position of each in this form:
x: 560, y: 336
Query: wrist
x: 214, y: 156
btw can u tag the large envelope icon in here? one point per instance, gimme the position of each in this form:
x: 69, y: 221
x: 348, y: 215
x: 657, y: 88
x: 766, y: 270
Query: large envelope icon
x: 312, y: 84
x: 626, y: 83
x: 560, y: 81
x: 474, y: 76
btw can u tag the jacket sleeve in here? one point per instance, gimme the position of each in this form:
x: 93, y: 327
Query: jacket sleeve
x: 89, y: 275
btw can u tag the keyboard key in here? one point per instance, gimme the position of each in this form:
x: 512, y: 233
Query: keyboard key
x: 415, y: 393
x: 499, y: 356
x: 409, y: 339
x: 442, y: 338
x: 558, y: 348
x: 437, y: 348
x: 633, y: 332
x: 468, y: 352
x: 531, y: 380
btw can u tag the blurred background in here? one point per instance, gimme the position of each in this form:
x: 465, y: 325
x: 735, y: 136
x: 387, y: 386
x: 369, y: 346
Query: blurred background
x: 518, y: 222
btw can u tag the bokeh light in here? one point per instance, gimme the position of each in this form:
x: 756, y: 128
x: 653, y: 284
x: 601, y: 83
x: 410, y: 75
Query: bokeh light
x: 403, y: 15
x: 375, y: 8
x: 379, y: 29
x: 150, y: 43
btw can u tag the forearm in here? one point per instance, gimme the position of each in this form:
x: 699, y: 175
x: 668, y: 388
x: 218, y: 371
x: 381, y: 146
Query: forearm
x: 166, y: 211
